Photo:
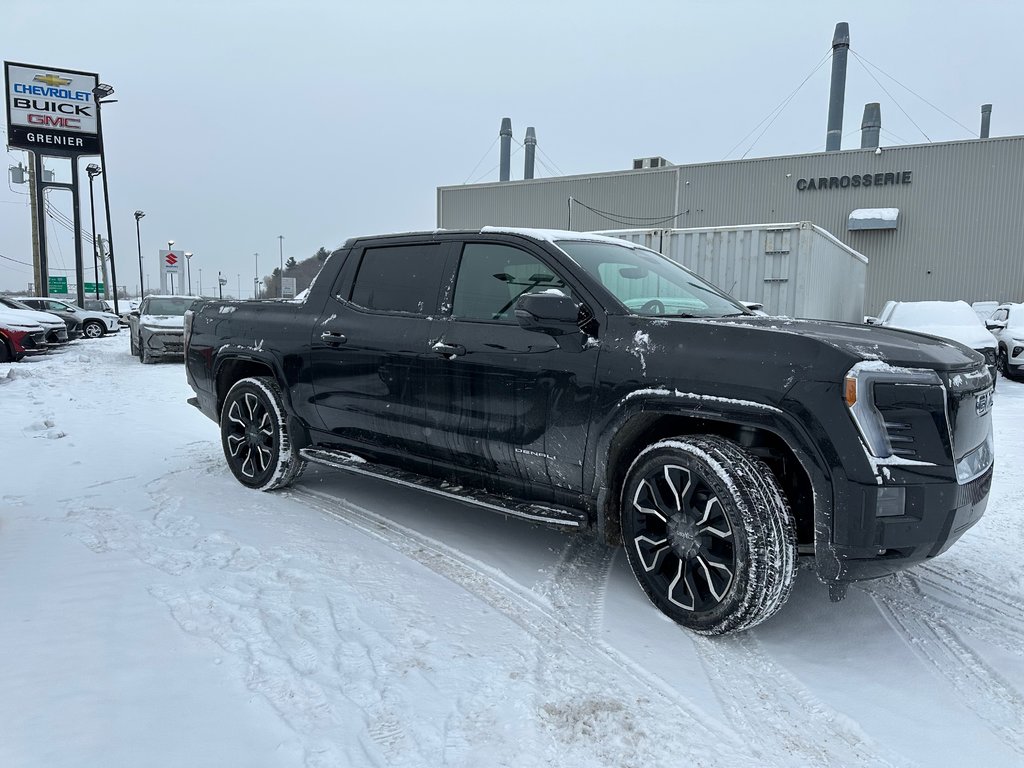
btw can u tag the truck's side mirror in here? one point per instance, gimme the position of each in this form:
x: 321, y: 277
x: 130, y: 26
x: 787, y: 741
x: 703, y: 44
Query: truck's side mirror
x: 552, y: 313
x: 995, y: 325
x: 869, y: 320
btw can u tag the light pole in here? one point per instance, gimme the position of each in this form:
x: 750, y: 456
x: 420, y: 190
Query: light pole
x: 200, y: 282
x: 100, y: 92
x: 256, y: 280
x: 170, y: 275
x: 188, y: 269
x: 280, y: 274
x: 220, y: 286
x: 94, y: 170
x: 138, y: 239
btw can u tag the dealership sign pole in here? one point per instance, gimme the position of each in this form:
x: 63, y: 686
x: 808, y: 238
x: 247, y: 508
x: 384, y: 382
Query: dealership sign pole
x: 53, y: 113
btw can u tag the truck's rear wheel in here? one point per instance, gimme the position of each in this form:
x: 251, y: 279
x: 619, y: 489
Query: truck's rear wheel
x: 254, y: 434
x: 708, y: 533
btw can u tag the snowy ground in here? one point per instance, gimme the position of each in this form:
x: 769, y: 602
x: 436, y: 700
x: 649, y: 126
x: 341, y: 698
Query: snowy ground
x: 155, y: 613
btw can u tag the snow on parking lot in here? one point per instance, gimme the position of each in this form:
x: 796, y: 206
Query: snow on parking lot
x: 156, y: 613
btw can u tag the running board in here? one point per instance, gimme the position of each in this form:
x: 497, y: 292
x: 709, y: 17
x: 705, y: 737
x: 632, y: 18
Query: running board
x: 558, y: 517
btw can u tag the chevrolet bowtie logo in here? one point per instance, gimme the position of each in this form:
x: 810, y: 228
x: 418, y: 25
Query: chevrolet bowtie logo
x: 53, y: 80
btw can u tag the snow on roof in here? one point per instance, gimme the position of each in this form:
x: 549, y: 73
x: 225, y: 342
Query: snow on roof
x: 553, y: 235
x: 884, y: 214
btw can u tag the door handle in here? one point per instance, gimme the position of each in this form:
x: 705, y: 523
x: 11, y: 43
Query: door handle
x: 332, y: 338
x: 448, y: 350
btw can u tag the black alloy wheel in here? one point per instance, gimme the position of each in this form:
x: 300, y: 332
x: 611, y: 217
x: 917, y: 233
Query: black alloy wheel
x: 93, y: 329
x: 6, y: 353
x: 1002, y: 362
x: 255, y: 438
x: 708, y: 533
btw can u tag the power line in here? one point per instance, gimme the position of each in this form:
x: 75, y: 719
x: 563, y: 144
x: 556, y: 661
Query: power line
x: 626, y: 219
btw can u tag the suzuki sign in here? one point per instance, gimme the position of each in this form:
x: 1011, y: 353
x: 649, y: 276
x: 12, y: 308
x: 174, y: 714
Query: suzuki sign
x: 52, y: 111
x: 171, y: 261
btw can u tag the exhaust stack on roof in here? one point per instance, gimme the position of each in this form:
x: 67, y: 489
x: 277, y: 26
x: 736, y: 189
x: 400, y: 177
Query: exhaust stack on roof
x: 531, y: 148
x: 506, y: 148
x: 870, y: 125
x: 986, y: 119
x: 837, y: 95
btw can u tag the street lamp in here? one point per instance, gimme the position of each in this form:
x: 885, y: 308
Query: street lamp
x: 256, y: 280
x: 99, y: 93
x: 170, y: 275
x: 188, y: 270
x: 94, y: 170
x: 138, y: 239
x: 280, y: 274
x: 200, y: 282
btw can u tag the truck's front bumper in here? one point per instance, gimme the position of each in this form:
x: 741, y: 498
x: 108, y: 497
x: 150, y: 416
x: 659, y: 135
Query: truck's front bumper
x: 869, y: 542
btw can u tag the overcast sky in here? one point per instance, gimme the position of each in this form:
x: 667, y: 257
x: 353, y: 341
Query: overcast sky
x: 238, y: 122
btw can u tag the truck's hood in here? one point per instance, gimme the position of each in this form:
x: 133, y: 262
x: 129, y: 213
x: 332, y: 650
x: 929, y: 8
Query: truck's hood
x: 164, y: 322
x: 866, y: 342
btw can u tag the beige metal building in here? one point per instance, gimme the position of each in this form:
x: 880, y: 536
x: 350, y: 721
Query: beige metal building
x: 936, y: 221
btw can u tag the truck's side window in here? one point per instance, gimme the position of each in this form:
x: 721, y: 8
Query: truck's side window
x: 402, y: 278
x: 492, y: 276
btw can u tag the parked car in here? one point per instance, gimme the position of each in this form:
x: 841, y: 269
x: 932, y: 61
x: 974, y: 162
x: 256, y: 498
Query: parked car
x: 106, y: 305
x: 984, y: 309
x: 590, y: 384
x: 94, y: 324
x: 58, y: 330
x: 1007, y: 325
x: 953, y: 320
x: 158, y: 327
x: 19, y: 336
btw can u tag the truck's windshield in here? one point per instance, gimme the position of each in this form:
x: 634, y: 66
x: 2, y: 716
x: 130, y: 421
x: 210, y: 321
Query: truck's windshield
x: 647, y: 283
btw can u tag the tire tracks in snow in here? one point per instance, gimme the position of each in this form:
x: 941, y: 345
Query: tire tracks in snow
x: 766, y: 706
x: 585, y: 703
x: 932, y: 634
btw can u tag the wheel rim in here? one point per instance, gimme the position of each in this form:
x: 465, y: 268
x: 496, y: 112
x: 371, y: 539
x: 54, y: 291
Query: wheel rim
x: 683, y: 538
x: 250, y: 435
x: 92, y: 330
x: 1001, y: 362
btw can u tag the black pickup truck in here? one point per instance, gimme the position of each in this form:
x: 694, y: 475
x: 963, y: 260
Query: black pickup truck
x: 589, y: 384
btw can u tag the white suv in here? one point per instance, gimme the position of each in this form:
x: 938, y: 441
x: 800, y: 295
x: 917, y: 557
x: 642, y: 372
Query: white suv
x: 1007, y: 325
x: 94, y: 324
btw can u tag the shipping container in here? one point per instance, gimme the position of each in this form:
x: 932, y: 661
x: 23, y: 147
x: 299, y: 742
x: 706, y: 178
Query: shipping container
x: 796, y: 270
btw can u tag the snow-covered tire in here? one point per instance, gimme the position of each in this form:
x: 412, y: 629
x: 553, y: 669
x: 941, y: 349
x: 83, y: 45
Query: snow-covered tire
x: 6, y: 353
x: 254, y: 435
x: 708, y: 533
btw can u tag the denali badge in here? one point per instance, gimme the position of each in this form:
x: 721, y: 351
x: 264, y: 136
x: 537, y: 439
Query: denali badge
x: 983, y: 402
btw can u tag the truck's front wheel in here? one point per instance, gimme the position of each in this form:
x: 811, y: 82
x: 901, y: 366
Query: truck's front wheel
x: 254, y: 434
x: 708, y: 533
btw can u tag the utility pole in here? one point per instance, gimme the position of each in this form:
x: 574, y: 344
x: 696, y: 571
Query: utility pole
x: 36, y: 266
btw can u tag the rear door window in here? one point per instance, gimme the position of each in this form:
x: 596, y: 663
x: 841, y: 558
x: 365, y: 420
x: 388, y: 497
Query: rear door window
x: 402, y: 278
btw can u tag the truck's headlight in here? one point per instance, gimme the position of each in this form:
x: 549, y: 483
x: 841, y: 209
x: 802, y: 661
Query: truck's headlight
x: 858, y: 392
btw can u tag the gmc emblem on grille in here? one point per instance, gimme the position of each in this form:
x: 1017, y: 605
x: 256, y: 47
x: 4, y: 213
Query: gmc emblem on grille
x: 983, y: 403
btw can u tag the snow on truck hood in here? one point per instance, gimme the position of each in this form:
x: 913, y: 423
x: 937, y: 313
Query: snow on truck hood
x: 163, y: 321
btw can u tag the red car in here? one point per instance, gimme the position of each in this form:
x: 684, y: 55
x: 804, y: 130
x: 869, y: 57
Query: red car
x: 19, y: 338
